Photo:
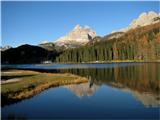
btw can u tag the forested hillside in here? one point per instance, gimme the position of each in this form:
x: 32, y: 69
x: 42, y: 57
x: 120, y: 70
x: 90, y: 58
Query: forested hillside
x: 140, y: 44
x: 27, y: 54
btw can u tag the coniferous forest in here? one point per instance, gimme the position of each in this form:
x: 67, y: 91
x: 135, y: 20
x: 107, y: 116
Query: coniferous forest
x: 140, y: 44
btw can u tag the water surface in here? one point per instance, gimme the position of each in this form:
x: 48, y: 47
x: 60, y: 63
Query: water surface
x: 117, y: 90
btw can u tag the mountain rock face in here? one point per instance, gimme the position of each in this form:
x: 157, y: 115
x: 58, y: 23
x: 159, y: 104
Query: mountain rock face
x: 143, y: 20
x: 77, y: 37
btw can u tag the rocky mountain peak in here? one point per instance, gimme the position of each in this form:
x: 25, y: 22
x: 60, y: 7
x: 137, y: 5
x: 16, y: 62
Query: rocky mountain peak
x: 77, y: 27
x: 76, y: 37
x: 152, y: 13
x: 145, y: 18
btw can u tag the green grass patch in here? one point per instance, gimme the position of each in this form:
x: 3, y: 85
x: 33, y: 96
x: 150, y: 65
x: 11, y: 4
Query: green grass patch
x: 28, y: 86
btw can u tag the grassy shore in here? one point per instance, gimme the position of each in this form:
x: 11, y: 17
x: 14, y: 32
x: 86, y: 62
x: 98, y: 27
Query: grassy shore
x: 30, y: 83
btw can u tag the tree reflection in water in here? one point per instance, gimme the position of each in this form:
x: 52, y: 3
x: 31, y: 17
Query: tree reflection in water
x: 142, y: 81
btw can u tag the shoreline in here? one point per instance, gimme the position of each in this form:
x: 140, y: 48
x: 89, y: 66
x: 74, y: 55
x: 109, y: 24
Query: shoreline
x: 99, y: 62
x: 108, y: 62
x: 27, y: 86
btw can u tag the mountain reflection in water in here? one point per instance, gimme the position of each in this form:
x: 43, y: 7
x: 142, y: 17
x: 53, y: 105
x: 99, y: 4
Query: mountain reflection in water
x: 82, y: 90
x: 141, y: 81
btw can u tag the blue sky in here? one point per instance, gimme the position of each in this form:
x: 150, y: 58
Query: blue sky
x: 35, y: 22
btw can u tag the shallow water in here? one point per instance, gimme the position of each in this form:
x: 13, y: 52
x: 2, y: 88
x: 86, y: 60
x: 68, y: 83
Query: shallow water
x: 117, y: 90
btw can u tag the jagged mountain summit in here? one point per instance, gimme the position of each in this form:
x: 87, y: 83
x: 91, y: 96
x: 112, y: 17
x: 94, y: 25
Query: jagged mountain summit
x: 145, y: 18
x: 76, y: 37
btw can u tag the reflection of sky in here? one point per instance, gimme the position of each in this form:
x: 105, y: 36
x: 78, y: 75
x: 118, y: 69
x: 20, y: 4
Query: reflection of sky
x: 68, y: 66
x: 106, y: 102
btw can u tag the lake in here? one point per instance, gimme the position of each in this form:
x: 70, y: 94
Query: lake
x: 114, y: 90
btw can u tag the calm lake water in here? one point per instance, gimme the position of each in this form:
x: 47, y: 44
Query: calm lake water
x: 116, y: 90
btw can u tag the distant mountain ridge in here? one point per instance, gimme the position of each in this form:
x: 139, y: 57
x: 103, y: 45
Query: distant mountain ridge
x: 139, y: 44
x: 139, y: 41
x: 80, y: 36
